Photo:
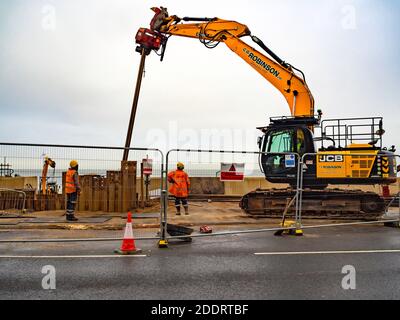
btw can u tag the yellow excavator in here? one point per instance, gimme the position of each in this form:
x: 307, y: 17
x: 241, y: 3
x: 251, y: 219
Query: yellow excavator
x: 350, y: 151
x: 48, y: 187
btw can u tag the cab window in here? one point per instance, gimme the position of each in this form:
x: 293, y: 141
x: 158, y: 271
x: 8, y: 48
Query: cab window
x: 281, y: 142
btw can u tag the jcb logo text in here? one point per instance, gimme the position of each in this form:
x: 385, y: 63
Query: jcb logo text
x: 331, y: 158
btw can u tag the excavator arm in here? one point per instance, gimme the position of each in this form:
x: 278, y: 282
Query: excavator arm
x: 212, y: 31
x: 47, y: 163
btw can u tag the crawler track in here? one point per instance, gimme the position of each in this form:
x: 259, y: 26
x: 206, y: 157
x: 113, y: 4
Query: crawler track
x: 317, y: 204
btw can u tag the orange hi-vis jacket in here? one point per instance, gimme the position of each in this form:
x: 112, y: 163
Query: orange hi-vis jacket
x: 70, y: 184
x: 179, y: 183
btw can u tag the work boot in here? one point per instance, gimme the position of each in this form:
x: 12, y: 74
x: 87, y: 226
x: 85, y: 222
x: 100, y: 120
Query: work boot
x: 186, y: 210
x: 71, y: 217
x: 178, y: 211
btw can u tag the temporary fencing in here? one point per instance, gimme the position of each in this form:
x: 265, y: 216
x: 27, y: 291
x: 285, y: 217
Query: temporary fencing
x: 221, y: 176
x: 360, y: 167
x: 108, y: 184
x: 219, y: 179
x: 12, y: 201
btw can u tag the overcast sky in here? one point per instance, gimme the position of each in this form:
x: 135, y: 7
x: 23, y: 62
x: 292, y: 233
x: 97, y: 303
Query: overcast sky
x: 68, y: 70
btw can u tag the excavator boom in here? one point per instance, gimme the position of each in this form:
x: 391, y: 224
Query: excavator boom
x: 44, y: 183
x: 212, y: 31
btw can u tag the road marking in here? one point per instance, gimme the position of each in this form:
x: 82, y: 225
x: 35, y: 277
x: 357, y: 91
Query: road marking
x: 325, y: 252
x: 74, y: 257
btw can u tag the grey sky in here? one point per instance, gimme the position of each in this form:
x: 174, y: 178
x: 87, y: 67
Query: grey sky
x: 72, y: 82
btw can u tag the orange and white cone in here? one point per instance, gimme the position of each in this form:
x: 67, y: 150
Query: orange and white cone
x: 128, y: 243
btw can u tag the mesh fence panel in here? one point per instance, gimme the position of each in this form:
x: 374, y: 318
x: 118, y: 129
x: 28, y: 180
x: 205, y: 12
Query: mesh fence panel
x: 107, y: 183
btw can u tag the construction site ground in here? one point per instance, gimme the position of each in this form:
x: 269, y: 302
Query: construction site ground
x: 218, y: 215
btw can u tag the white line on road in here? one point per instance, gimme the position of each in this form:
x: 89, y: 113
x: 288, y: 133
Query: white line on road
x: 325, y: 252
x: 74, y: 257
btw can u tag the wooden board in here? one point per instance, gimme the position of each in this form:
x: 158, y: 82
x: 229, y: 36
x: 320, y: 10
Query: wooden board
x: 30, y: 199
x: 103, y: 194
x: 82, y: 197
x: 96, y: 193
x: 88, y: 191
x: 113, y: 182
x: 64, y: 179
x: 128, y: 176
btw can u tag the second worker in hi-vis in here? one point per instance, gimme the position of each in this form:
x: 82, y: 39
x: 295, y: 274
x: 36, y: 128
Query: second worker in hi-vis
x: 180, y: 185
x: 72, y: 189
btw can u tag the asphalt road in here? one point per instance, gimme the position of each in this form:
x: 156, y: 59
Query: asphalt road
x: 248, y: 266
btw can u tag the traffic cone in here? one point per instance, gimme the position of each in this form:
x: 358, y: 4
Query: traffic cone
x: 128, y: 243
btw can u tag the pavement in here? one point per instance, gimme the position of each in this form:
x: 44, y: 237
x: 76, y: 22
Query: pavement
x: 201, y: 213
x: 246, y: 266
x: 256, y: 266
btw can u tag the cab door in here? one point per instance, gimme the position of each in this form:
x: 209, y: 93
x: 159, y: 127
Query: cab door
x: 276, y: 143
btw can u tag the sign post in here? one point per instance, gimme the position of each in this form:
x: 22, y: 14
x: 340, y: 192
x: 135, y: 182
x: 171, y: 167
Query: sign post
x: 147, y: 166
x: 147, y: 171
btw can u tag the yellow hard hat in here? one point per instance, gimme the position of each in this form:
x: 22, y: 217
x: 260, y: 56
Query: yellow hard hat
x: 180, y: 165
x: 73, y: 163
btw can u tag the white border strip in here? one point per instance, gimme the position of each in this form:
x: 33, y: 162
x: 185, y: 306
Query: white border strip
x: 325, y: 252
x: 74, y: 257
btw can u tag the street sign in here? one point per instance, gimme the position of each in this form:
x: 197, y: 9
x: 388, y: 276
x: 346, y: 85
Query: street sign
x: 147, y: 166
x: 232, y: 171
x: 290, y: 161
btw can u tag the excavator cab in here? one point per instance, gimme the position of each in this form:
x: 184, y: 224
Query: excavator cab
x: 284, y: 139
x: 335, y: 162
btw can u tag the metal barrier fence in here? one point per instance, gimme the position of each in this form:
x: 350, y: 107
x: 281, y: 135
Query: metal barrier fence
x: 301, y: 169
x: 110, y: 185
x: 12, y: 201
x: 107, y: 183
x: 209, y: 172
x: 183, y: 155
x: 393, y: 201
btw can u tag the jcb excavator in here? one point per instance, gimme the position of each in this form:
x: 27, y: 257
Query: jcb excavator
x: 48, y: 187
x: 354, y: 154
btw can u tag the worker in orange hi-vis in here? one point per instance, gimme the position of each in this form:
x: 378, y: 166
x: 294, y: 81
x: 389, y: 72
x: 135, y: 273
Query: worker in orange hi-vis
x: 72, y: 189
x: 180, y: 185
